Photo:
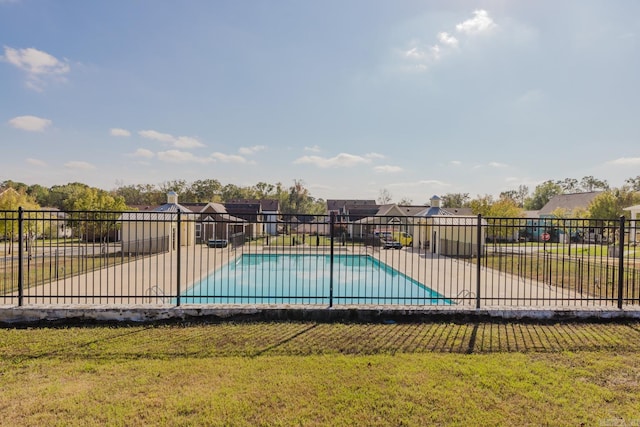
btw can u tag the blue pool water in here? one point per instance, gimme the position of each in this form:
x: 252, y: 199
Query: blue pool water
x: 305, y: 279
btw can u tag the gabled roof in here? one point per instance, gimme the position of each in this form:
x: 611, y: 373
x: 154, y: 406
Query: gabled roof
x: 270, y: 205
x: 569, y: 202
x: 435, y: 211
x: 166, y: 212
x: 412, y: 210
x: 172, y: 207
x: 219, y: 213
x: 245, y: 206
x: 341, y: 204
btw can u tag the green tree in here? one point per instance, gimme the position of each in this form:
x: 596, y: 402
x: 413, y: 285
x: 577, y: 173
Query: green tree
x: 11, y: 200
x: 263, y: 190
x: 95, y: 213
x: 481, y: 205
x: 589, y: 183
x: 205, y: 190
x: 40, y: 194
x: 542, y: 194
x: 569, y: 185
x: 505, y: 208
x: 455, y: 200
x: 63, y: 196
x: 633, y: 183
x: 610, y: 204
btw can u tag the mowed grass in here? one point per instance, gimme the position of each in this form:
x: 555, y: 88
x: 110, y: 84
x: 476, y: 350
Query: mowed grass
x: 322, y: 374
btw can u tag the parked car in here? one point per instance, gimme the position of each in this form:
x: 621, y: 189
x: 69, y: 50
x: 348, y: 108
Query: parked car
x: 391, y: 244
x: 217, y: 243
x: 404, y: 238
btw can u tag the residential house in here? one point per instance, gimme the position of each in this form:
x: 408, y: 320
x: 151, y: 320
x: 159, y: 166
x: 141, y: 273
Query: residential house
x: 569, y: 205
x: 263, y: 215
x: 271, y: 215
x: 565, y: 206
x: 387, y: 218
x: 214, y: 222
x: 56, y: 225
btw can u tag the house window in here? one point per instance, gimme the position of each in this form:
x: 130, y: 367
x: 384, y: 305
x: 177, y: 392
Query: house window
x: 198, y: 228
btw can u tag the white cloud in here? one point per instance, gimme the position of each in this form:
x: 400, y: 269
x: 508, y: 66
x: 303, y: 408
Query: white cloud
x: 177, y: 156
x: 228, y: 158
x: 142, y: 152
x: 341, y: 160
x: 625, y: 161
x: 30, y: 123
x: 455, y: 163
x: 312, y: 149
x: 178, y: 142
x: 79, y: 165
x: 37, y: 64
x: 497, y: 165
x: 424, y: 54
x: 187, y: 142
x: 119, y: 132
x: 415, y: 53
x: 481, y: 22
x: 247, y: 151
x: 157, y: 136
x: 447, y: 39
x: 36, y: 162
x: 388, y: 169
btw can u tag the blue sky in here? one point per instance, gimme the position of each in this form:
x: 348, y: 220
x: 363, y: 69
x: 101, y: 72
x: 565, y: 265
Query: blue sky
x: 415, y: 97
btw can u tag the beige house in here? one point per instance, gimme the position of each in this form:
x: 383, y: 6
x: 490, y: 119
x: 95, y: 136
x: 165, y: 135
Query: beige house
x: 391, y: 218
x: 157, y: 230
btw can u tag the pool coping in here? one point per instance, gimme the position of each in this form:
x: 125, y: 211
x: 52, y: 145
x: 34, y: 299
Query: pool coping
x: 79, y: 314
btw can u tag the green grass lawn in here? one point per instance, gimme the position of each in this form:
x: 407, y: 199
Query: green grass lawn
x: 322, y: 374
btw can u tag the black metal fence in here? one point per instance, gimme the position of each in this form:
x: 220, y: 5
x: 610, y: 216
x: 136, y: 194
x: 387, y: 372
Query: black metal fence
x: 176, y: 258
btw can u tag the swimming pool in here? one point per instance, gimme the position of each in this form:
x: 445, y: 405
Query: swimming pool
x: 305, y: 279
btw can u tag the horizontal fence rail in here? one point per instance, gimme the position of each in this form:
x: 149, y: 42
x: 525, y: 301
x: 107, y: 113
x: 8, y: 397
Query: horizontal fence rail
x: 178, y: 258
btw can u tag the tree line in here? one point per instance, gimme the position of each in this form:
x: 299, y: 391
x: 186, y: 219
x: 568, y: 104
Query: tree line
x: 77, y: 196
x: 609, y: 204
x: 296, y: 198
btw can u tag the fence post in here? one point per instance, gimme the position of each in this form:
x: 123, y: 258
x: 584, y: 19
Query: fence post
x: 20, y: 256
x: 178, y: 256
x: 621, y: 263
x: 478, y: 258
x: 332, y: 223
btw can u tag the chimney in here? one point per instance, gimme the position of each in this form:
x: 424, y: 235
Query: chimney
x: 435, y: 201
x: 172, y: 198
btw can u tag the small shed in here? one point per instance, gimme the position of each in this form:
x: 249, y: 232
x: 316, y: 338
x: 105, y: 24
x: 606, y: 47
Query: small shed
x: 156, y: 231
x: 455, y: 235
